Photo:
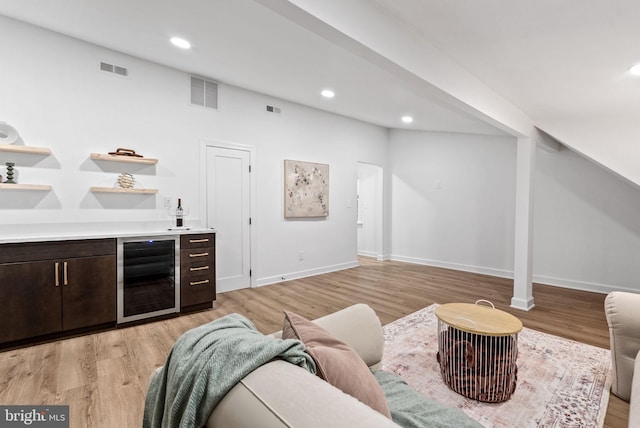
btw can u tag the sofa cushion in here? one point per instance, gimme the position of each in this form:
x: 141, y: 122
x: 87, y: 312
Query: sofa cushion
x: 336, y: 362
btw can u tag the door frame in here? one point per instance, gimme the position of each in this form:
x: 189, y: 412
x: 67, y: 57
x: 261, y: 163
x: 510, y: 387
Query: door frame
x: 206, y: 143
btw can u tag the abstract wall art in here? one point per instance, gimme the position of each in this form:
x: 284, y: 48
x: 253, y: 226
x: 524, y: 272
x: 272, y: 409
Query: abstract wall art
x: 306, y: 189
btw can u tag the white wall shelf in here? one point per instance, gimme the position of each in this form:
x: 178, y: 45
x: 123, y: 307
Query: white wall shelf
x: 123, y: 190
x: 118, y: 158
x: 24, y: 149
x: 40, y: 187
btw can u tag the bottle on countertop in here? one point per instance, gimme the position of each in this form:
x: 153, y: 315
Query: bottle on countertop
x: 179, y: 214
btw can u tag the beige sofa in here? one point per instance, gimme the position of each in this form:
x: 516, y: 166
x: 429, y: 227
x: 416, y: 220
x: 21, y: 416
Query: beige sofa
x: 623, y: 316
x: 279, y: 394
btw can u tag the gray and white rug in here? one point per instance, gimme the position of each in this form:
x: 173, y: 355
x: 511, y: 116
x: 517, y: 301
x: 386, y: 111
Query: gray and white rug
x: 561, y: 383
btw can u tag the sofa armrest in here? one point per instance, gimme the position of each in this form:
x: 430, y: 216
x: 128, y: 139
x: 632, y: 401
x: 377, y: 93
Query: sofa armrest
x: 359, y: 327
x: 623, y: 316
x: 634, y: 402
x: 279, y: 395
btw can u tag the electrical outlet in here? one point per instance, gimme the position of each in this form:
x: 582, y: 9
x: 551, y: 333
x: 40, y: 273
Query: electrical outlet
x: 301, y: 255
x: 167, y: 202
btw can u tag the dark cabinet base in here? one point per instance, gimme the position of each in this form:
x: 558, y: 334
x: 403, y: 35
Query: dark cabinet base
x: 60, y: 289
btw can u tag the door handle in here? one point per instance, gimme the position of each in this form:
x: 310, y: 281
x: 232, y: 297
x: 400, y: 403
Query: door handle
x: 57, y: 274
x: 65, y: 279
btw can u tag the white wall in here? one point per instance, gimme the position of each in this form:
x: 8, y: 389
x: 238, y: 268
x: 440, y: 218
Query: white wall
x: 586, y: 226
x: 453, y: 199
x: 54, y: 94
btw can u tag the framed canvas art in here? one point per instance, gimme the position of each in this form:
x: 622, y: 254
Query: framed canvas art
x: 306, y: 189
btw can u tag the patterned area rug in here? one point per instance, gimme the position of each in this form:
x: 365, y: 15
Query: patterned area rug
x: 561, y: 383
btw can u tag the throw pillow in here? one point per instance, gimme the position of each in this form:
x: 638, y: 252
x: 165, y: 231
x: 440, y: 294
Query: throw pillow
x: 336, y: 362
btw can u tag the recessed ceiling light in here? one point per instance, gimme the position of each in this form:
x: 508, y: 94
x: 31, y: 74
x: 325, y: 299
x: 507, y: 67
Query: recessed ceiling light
x: 635, y: 70
x: 407, y: 119
x: 181, y: 43
x: 328, y: 93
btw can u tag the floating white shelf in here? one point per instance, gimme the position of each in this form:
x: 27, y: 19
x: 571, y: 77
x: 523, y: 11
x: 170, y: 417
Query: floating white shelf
x: 24, y: 149
x: 40, y: 187
x: 118, y: 158
x: 122, y: 190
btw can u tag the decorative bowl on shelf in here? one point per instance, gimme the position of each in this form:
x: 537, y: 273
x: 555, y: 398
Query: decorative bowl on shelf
x: 8, y: 134
x: 126, y: 180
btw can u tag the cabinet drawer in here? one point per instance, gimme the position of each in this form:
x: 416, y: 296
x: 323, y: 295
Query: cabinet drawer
x: 197, y: 281
x: 197, y: 289
x: 197, y: 240
x: 197, y: 261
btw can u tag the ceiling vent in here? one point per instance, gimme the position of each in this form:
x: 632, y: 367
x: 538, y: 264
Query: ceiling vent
x: 272, y: 109
x: 114, y: 69
x: 204, y: 93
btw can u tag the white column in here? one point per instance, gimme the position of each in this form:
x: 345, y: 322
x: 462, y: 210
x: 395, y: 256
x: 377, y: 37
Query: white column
x: 523, y: 253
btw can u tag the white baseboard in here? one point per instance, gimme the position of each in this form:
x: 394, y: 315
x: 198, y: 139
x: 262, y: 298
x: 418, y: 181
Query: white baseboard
x: 579, y: 285
x: 454, y: 266
x: 379, y: 257
x: 538, y: 279
x: 367, y: 253
x: 304, y: 273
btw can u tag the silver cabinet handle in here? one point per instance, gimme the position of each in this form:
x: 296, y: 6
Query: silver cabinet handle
x: 197, y: 241
x: 57, y: 274
x: 198, y: 254
x: 206, y: 281
x: 199, y: 268
x: 65, y: 274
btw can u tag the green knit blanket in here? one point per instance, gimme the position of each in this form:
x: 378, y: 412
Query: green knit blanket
x: 411, y: 409
x: 205, y: 363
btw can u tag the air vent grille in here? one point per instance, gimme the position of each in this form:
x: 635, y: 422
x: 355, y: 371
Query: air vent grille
x: 120, y: 70
x: 114, y: 69
x: 204, y: 93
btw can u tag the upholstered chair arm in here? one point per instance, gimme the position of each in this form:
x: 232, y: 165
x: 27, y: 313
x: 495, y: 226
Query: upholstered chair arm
x: 623, y: 316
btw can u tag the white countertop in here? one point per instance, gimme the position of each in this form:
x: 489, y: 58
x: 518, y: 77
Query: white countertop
x: 62, y: 232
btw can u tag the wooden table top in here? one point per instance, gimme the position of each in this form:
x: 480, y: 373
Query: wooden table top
x: 480, y: 319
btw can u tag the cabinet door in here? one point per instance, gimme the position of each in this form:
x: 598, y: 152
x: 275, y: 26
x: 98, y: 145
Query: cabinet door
x: 30, y: 300
x: 88, y: 291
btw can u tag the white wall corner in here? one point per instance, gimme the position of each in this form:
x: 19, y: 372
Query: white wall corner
x: 546, y: 141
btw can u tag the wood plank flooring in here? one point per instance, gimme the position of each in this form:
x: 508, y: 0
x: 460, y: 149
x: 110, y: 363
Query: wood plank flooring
x: 103, y: 376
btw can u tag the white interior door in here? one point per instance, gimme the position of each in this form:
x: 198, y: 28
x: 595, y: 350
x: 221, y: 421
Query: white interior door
x: 370, y: 208
x: 228, y: 203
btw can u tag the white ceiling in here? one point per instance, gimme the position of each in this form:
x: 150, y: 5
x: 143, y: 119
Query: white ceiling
x: 242, y: 43
x: 561, y: 62
x: 551, y: 58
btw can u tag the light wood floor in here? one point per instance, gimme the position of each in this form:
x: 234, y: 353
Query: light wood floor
x: 103, y: 376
